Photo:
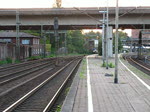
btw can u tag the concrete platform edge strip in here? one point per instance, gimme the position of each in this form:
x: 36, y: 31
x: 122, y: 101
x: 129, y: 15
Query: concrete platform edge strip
x: 68, y: 104
x: 146, y: 85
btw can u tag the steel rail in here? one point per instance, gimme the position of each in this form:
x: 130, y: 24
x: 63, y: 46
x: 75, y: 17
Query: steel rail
x: 49, y: 105
x: 23, y: 70
x: 129, y: 57
x: 24, y: 74
x: 21, y: 64
x: 3, y: 75
x: 139, y: 64
x: 14, y: 105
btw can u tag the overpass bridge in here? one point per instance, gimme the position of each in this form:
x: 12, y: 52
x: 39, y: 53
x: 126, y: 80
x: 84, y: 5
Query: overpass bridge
x: 74, y: 18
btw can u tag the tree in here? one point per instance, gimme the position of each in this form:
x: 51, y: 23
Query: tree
x: 75, y: 42
x: 122, y: 36
x: 92, y: 35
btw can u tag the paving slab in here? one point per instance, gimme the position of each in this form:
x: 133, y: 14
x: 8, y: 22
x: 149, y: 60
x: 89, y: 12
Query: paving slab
x: 129, y: 95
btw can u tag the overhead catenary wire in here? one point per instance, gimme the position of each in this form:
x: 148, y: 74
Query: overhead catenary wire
x: 95, y: 19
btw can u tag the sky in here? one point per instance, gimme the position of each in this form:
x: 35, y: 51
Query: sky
x: 70, y: 3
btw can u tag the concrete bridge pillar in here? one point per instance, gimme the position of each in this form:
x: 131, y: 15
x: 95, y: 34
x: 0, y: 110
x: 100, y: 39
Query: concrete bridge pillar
x: 110, y: 42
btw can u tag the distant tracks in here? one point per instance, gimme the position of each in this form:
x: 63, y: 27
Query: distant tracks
x: 137, y: 63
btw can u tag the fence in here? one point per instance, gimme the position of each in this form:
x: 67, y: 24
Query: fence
x: 8, y: 50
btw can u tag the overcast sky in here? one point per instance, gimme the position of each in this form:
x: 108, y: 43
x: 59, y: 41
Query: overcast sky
x: 69, y: 3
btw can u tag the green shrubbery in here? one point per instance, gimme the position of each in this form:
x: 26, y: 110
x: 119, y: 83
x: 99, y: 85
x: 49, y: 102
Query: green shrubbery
x: 104, y: 64
x: 110, y: 65
x: 8, y: 61
x: 35, y: 57
x: 3, y: 62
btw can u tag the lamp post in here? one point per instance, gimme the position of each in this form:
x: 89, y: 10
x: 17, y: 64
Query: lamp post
x: 116, y: 44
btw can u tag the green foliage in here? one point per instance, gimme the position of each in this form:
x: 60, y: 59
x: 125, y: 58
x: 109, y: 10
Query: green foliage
x: 92, y: 35
x: 32, y: 32
x: 104, y: 64
x: 48, y: 47
x: 111, y: 65
x: 58, y: 109
x: 9, y: 60
x: 75, y: 42
x: 3, y: 62
x: 17, y: 61
x: 122, y: 35
x: 83, y: 69
x: 35, y: 57
x: 67, y: 90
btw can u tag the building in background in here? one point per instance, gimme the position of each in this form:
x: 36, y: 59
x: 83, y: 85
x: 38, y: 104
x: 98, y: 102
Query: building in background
x: 29, y: 45
x: 135, y: 33
x: 25, y: 39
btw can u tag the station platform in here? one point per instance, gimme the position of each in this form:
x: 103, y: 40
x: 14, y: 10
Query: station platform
x: 94, y: 90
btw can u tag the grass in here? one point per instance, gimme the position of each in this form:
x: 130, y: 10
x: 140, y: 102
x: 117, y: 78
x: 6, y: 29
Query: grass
x: 67, y: 90
x: 3, y: 62
x: 83, y: 69
x: 111, y: 65
x: 8, y: 61
x: 35, y: 57
x: 104, y: 64
x: 82, y: 76
x: 58, y: 109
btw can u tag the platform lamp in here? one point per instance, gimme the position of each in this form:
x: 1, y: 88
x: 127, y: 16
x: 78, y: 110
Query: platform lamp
x: 116, y: 44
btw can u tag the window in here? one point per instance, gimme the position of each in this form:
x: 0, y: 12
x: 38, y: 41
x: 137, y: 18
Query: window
x: 25, y: 41
x: 36, y: 41
x: 5, y: 40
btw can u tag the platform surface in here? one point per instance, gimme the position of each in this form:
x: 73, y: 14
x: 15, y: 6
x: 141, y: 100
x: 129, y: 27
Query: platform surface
x: 129, y: 95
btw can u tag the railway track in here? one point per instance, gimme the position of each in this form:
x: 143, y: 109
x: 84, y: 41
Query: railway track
x: 141, y: 65
x: 39, y: 92
x: 22, y: 65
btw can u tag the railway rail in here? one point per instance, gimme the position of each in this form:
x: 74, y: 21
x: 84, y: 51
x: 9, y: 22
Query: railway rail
x: 39, y: 92
x: 140, y: 64
x: 19, y: 65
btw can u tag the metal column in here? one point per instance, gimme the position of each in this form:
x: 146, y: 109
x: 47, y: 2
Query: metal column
x: 116, y: 44
x: 17, y: 36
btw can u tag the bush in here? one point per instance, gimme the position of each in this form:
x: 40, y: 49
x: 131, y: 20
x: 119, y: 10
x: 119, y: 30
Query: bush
x: 17, y: 61
x: 111, y: 65
x: 3, y: 62
x: 9, y: 60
